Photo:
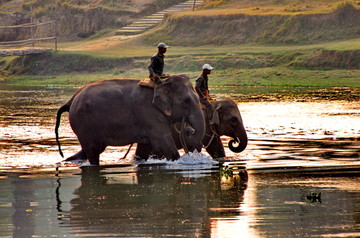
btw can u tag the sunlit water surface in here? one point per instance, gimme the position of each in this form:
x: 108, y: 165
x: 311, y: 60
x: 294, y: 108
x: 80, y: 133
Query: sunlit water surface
x: 156, y: 201
x: 296, y: 148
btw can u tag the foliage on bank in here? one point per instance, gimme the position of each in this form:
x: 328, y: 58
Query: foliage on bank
x: 329, y: 59
x: 53, y: 63
x: 314, y: 67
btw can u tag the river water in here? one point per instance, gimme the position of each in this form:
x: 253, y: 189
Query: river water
x: 303, y: 142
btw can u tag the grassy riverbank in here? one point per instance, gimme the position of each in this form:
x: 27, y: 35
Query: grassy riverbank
x: 335, y: 64
x: 272, y: 76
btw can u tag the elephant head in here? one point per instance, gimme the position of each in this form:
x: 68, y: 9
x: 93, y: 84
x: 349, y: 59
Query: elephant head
x: 228, y: 122
x: 224, y: 119
x: 177, y: 99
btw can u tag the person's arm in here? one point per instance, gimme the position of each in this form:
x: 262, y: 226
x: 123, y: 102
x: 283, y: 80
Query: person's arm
x: 151, y: 67
x: 199, y: 82
x: 153, y: 76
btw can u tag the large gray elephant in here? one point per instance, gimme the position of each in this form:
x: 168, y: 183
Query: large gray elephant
x: 118, y: 112
x: 224, y: 119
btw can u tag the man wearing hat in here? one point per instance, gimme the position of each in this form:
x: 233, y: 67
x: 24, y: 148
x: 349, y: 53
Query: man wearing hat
x: 202, y: 87
x: 156, y: 66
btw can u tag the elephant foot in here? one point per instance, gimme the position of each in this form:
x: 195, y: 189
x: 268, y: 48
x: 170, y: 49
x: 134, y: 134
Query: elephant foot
x: 80, y: 156
x: 170, y: 156
x: 142, y: 152
x: 138, y: 158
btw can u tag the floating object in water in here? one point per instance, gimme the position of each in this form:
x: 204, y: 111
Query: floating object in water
x: 314, y: 197
x: 226, y: 171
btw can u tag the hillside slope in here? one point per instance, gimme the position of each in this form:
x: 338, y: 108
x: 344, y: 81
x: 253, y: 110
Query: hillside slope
x: 231, y: 27
x: 76, y: 19
x: 272, y: 6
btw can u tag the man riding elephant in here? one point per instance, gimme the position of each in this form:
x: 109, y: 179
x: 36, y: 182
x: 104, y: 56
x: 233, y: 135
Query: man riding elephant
x: 202, y: 87
x: 221, y: 118
x: 156, y: 66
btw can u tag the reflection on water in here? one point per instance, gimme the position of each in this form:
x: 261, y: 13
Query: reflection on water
x: 150, y: 201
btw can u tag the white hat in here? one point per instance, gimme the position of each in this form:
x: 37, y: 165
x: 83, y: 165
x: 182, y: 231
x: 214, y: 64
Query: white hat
x: 207, y: 66
x: 163, y: 45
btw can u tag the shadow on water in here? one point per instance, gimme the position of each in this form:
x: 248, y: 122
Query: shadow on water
x: 150, y: 201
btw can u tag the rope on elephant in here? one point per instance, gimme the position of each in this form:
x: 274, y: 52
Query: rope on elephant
x: 127, y: 152
x: 214, y: 133
x: 213, y: 118
x: 212, y: 137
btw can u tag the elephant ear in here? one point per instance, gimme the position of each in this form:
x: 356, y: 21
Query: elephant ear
x: 215, y: 119
x: 161, y: 98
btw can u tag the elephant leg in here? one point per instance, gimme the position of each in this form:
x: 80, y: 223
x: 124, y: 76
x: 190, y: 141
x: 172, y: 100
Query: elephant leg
x: 78, y: 156
x: 143, y: 151
x: 94, y: 158
x: 167, y: 150
x: 216, y: 148
x: 164, y: 145
x: 93, y: 152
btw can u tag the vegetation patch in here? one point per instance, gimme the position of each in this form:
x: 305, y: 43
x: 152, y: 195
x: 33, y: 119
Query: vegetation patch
x: 53, y: 63
x: 279, y: 68
x: 330, y: 59
x: 285, y: 76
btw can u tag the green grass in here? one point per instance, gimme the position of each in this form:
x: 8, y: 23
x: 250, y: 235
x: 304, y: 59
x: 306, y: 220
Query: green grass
x: 273, y: 76
x: 139, y: 48
x: 188, y: 60
x: 282, y: 76
x: 76, y: 79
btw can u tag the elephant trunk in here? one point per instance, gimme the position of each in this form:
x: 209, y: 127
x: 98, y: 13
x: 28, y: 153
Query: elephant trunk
x: 195, y: 131
x: 240, y: 139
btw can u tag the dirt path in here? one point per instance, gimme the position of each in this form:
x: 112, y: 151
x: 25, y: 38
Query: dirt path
x: 135, y: 29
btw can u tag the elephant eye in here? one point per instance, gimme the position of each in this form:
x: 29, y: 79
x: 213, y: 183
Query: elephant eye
x: 234, y: 120
x: 187, y: 100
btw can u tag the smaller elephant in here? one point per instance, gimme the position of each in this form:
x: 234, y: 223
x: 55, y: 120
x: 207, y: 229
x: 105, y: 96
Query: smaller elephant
x: 226, y: 120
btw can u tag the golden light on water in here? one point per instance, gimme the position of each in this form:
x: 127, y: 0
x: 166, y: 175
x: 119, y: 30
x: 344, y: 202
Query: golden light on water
x: 291, y: 119
x: 241, y: 225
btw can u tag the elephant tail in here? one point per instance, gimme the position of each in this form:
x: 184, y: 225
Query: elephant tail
x: 64, y: 108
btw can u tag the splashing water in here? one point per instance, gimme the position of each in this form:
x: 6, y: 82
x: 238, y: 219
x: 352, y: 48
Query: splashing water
x: 191, y: 158
x: 192, y: 164
x: 195, y: 158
